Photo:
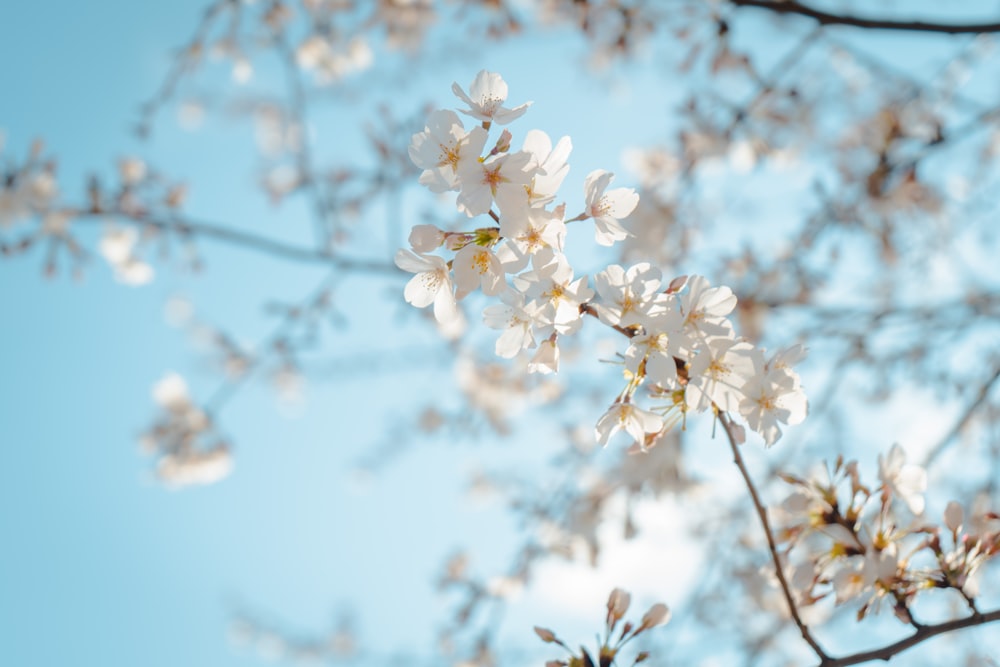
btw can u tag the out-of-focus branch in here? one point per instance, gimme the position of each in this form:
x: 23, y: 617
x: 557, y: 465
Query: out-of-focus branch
x: 827, y: 18
x: 964, y: 419
x: 182, y: 63
x: 793, y: 610
x: 924, y: 633
x: 188, y: 228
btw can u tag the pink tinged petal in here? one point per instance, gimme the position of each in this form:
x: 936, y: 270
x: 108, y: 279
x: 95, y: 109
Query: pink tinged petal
x: 953, y: 516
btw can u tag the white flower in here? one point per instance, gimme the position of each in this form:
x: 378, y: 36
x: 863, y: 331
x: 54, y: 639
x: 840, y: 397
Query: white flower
x: 705, y: 307
x: 629, y: 418
x: 953, y: 516
x: 486, y: 96
x: 629, y: 297
x: 442, y: 147
x: 906, y: 481
x: 559, y: 296
x: 770, y: 396
x: 717, y: 373
x: 607, y: 208
x: 552, y: 166
x: 501, y: 178
x: 195, y: 467
x: 477, y: 266
x: 171, y: 393
x: 546, y: 359
x: 118, y: 248
x: 528, y: 234
x: 426, y: 238
x: 431, y: 284
x: 512, y: 317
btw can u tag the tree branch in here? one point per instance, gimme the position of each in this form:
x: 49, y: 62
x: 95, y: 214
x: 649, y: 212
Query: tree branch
x: 922, y: 634
x: 963, y: 420
x: 275, y: 247
x: 826, y: 18
x: 727, y: 426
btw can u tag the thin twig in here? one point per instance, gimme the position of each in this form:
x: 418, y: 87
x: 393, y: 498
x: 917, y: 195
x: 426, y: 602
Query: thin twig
x: 963, y: 421
x: 189, y: 228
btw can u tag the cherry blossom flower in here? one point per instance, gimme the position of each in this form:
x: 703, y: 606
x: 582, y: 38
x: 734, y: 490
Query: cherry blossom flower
x: 551, y: 284
x: 717, y: 373
x: 501, y: 178
x: 426, y: 238
x: 607, y: 208
x: 477, y: 266
x: 552, y: 166
x: 514, y: 319
x: 771, y: 396
x: 629, y: 418
x: 486, y: 96
x: 905, y: 481
x: 442, y: 147
x: 629, y: 296
x: 431, y: 284
x: 658, y: 349
x: 195, y: 466
x: 118, y: 248
x: 528, y: 234
x: 546, y: 359
x: 705, y: 307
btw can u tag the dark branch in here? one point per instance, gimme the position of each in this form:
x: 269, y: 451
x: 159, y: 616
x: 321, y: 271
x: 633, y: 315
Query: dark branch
x: 779, y: 571
x: 826, y: 18
x: 923, y: 634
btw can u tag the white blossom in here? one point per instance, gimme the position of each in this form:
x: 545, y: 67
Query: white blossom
x: 906, y: 481
x: 607, y: 208
x: 431, y: 284
x: 486, y: 96
x: 627, y: 417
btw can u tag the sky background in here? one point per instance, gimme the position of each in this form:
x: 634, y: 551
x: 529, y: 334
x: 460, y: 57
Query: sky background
x: 101, y: 565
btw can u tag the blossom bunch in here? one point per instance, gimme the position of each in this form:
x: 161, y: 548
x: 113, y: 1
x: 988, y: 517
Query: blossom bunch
x: 857, y: 542
x: 682, y: 346
x: 184, y: 439
x: 607, y: 652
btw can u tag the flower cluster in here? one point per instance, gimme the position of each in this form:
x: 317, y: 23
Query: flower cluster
x: 873, y: 544
x: 607, y: 653
x: 682, y: 345
x: 183, y: 437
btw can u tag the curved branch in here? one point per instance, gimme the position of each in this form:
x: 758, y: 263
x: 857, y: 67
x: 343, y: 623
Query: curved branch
x: 922, y: 634
x: 826, y: 18
x: 727, y: 426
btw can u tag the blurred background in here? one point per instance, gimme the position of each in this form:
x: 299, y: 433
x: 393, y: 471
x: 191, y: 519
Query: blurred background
x: 216, y: 194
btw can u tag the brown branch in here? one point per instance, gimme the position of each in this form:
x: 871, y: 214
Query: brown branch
x: 727, y: 426
x: 827, y: 18
x: 924, y: 633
